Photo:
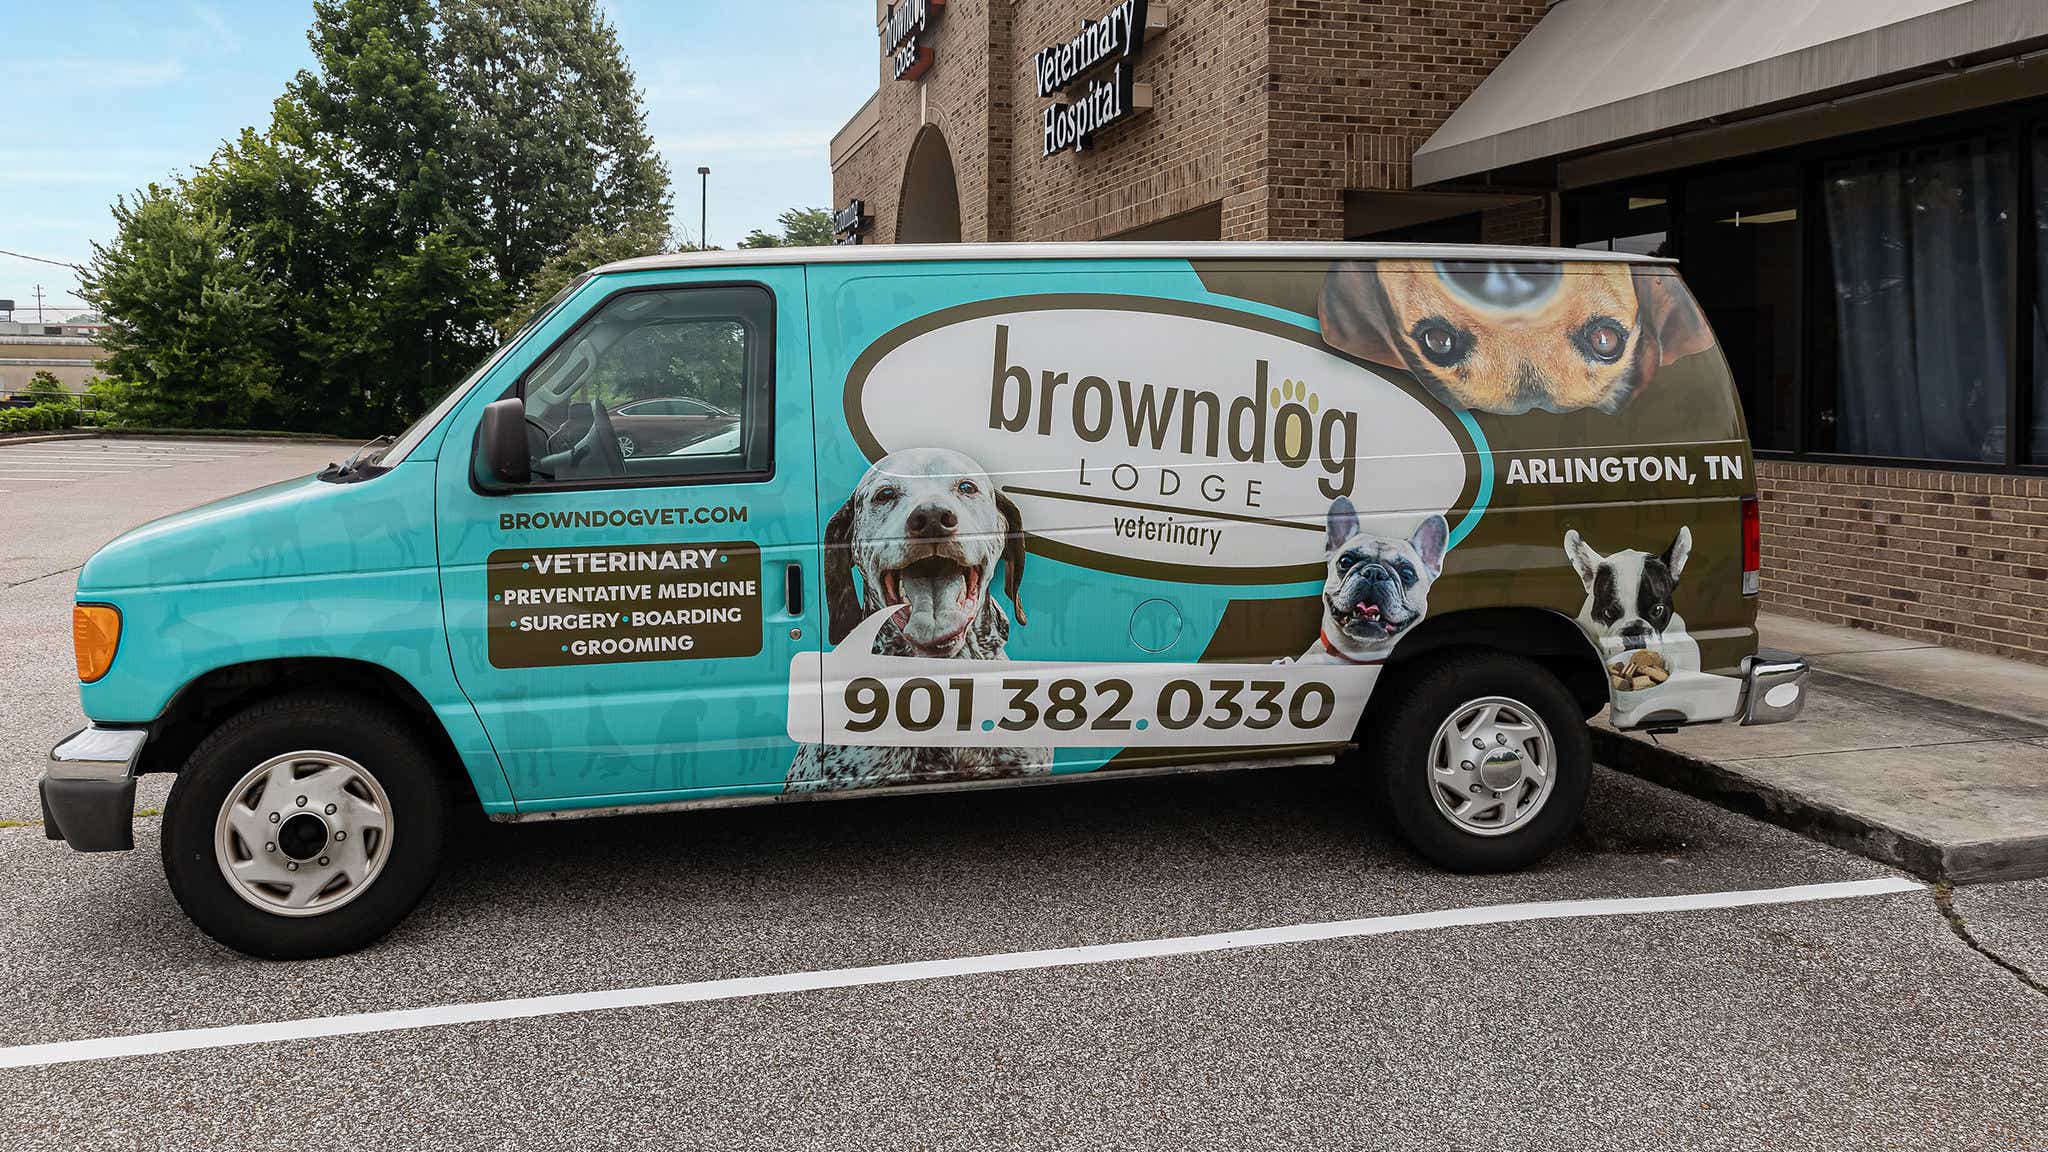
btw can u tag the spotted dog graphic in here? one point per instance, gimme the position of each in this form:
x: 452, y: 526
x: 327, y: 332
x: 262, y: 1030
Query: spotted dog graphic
x: 922, y: 535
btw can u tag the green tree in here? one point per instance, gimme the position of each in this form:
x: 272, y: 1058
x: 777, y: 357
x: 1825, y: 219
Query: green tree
x: 591, y: 247
x: 548, y: 127
x: 47, y: 389
x: 433, y: 161
x: 190, y: 320
x: 403, y: 308
x: 800, y: 226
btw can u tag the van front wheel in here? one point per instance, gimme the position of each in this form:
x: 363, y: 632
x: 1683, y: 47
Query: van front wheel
x: 1484, y: 761
x: 306, y: 826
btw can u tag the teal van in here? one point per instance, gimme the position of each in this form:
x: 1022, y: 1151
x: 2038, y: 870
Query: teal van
x: 763, y: 526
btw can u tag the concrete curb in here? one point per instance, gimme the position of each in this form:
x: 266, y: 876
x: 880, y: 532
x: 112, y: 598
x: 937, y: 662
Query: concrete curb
x: 39, y: 437
x: 166, y: 434
x: 1967, y: 863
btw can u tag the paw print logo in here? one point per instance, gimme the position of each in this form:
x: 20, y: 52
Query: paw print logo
x: 1293, y: 420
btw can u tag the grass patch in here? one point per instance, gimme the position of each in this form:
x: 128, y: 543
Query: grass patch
x: 140, y: 813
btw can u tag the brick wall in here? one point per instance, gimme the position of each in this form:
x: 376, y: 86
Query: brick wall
x: 1202, y: 142
x: 1358, y: 86
x: 971, y: 60
x: 1271, y: 109
x: 1954, y: 558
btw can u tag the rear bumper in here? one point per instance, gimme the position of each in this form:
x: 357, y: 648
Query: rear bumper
x: 88, y: 791
x: 1773, y: 687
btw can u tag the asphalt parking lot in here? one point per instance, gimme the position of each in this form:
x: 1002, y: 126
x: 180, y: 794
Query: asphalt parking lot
x: 1853, y: 1017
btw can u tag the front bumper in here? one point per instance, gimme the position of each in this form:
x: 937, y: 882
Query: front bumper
x: 88, y: 791
x: 1773, y: 687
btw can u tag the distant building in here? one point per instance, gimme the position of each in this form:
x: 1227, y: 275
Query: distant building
x: 69, y: 349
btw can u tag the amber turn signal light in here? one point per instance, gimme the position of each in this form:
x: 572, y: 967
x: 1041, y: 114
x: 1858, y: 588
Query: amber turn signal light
x: 95, y: 634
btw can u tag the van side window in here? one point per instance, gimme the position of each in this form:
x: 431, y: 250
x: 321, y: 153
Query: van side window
x: 669, y: 382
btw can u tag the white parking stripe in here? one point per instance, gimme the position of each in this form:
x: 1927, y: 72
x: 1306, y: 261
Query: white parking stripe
x: 195, y: 1039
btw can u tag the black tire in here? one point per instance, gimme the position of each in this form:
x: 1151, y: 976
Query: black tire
x: 1425, y: 696
x: 375, y: 737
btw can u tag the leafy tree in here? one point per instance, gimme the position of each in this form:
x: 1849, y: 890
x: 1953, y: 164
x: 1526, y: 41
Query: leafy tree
x: 549, y: 130
x: 591, y: 247
x: 799, y: 226
x: 406, y: 297
x: 433, y: 162
x: 190, y: 321
x: 47, y: 389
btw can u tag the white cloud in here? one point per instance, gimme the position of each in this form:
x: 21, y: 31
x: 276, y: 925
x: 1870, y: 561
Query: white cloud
x: 122, y: 168
x: 789, y: 142
x: 60, y: 74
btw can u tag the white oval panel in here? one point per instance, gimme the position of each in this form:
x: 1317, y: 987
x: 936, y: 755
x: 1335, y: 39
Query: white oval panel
x: 1137, y: 439
x: 1782, y: 695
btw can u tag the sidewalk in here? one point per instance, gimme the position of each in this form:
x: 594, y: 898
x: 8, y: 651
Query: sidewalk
x: 1928, y: 758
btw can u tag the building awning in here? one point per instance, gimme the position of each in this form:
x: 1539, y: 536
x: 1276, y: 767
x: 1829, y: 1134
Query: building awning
x: 1594, y: 73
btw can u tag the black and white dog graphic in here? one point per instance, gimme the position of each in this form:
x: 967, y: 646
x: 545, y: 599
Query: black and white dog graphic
x: 1375, y: 588
x: 923, y: 533
x: 1629, y: 602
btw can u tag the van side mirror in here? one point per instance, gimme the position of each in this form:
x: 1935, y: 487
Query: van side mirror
x: 502, y: 440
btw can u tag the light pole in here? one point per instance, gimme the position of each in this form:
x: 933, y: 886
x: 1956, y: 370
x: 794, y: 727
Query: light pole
x: 703, y: 207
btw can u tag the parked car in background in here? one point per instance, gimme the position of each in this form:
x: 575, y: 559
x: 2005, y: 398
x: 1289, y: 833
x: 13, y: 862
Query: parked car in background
x: 665, y: 423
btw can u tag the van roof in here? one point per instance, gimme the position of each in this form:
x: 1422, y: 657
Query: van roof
x: 1124, y: 250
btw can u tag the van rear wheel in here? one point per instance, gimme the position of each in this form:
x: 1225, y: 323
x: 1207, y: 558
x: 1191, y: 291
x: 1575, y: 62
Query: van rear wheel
x: 1484, y: 761
x: 306, y: 826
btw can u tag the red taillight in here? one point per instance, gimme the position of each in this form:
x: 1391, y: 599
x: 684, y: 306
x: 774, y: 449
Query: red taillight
x: 1752, y: 546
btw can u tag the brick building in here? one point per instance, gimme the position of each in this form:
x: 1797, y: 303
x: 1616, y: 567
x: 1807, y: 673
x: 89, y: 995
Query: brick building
x: 1858, y: 193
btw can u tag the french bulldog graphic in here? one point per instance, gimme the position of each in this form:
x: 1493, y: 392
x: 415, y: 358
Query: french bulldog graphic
x: 1376, y: 588
x: 1629, y: 600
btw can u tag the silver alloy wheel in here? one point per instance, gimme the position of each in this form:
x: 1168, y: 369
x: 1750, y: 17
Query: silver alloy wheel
x: 626, y: 446
x: 1492, y: 765
x: 303, y: 833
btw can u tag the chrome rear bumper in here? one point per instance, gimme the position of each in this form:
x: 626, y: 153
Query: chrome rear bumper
x: 1773, y: 687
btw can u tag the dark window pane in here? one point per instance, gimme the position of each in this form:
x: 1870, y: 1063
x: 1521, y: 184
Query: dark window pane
x: 1742, y: 258
x: 2037, y: 443
x: 1918, y: 239
x: 1619, y: 219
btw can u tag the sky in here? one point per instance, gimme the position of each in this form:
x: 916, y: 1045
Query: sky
x: 101, y: 97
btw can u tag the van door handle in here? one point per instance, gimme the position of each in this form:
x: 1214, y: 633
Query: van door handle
x: 793, y: 589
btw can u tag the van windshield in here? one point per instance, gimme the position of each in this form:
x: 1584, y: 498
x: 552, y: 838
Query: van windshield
x: 411, y: 437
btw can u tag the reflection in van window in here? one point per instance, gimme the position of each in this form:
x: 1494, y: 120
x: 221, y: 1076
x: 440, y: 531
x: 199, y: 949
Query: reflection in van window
x: 673, y: 382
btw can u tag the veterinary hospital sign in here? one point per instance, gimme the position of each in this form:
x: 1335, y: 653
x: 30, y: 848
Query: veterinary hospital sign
x: 1118, y: 37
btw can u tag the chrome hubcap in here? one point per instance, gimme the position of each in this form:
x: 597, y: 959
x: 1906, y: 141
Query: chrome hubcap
x: 303, y: 833
x: 1491, y: 766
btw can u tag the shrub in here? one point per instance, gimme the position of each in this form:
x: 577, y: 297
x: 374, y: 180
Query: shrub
x: 47, y: 389
x: 41, y: 418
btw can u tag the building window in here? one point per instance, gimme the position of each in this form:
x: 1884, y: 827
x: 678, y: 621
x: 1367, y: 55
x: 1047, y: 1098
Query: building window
x: 1632, y: 219
x: 1876, y: 296
x: 1742, y: 256
x: 1918, y: 241
x: 2037, y: 443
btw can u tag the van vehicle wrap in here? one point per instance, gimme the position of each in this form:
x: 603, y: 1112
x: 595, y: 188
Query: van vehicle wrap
x: 944, y: 519
x: 1190, y: 453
